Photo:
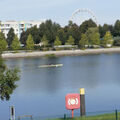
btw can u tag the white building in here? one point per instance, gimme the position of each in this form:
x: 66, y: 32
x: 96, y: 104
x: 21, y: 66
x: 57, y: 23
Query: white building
x: 18, y: 27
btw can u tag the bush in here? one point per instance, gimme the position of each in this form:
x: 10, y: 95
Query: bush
x: 50, y: 55
x: 37, y: 48
x: 116, y: 41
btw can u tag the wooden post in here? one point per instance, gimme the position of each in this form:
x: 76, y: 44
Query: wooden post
x: 116, y: 114
x: 82, y: 102
x: 31, y: 117
x: 64, y: 116
x: 12, y: 112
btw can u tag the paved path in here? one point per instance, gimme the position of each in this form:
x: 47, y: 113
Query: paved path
x: 61, y: 53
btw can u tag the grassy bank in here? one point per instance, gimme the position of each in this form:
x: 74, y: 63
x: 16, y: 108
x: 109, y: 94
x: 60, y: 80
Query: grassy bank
x: 111, y: 116
x: 50, y: 55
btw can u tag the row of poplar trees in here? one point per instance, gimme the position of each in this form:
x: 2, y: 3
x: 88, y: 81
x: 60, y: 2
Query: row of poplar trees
x: 12, y: 42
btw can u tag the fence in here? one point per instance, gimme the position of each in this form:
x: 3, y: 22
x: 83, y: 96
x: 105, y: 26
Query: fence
x: 98, y: 115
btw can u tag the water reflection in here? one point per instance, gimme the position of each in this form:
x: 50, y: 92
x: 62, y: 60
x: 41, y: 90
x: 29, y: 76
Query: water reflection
x: 89, y: 71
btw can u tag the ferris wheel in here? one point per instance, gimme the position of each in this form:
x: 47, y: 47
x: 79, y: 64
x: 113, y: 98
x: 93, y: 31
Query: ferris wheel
x: 88, y: 11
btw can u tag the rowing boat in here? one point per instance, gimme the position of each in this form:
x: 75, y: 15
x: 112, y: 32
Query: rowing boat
x: 52, y: 65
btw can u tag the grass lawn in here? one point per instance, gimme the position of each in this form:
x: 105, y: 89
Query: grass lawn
x: 97, y: 117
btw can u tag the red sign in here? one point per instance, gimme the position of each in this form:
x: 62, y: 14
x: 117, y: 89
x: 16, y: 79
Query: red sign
x: 72, y: 101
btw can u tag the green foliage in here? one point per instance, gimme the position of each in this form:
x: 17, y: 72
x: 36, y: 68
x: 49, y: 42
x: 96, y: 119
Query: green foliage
x: 117, y: 28
x: 44, y: 41
x: 83, y: 41
x: 50, y: 55
x: 57, y: 42
x: 51, y: 30
x: 34, y: 31
x: 2, y: 65
x: 109, y: 116
x: 10, y: 36
x: 116, y: 41
x: 93, y: 36
x: 24, y: 36
x: 95, y: 39
x: 8, y: 78
x: 3, y: 43
x: 70, y: 23
x: 70, y: 41
x: 35, y: 34
x: 108, y: 39
x: 75, y: 32
x: 87, y: 24
x: 103, y: 29
x: 15, y: 43
x: 62, y: 35
x: 30, y: 42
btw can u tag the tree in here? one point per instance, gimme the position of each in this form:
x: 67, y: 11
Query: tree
x: 15, y: 43
x: 75, y: 32
x: 35, y: 34
x: 95, y: 39
x: 107, y: 40
x: 117, y: 41
x: 62, y: 35
x: 8, y: 78
x: 70, y: 41
x: 57, y: 42
x: 34, y: 31
x: 49, y: 29
x: 44, y: 41
x: 111, y: 29
x: 3, y: 43
x: 30, y: 42
x: 93, y: 36
x: 24, y: 36
x: 70, y: 23
x: 87, y: 24
x: 103, y: 29
x: 83, y: 41
x: 117, y: 28
x: 10, y: 36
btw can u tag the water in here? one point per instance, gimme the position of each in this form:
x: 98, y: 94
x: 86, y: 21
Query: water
x: 42, y: 91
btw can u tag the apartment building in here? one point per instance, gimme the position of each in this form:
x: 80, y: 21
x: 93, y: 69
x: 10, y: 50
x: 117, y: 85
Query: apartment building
x: 18, y: 27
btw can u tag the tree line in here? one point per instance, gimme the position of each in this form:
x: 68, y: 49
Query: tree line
x: 50, y: 34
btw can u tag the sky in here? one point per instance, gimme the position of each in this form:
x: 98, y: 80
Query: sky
x: 60, y: 11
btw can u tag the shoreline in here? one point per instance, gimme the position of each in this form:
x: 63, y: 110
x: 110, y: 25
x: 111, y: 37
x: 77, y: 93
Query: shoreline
x: 61, y: 53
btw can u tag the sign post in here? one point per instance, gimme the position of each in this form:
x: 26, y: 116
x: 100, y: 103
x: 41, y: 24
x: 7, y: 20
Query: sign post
x: 72, y: 113
x: 72, y: 102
